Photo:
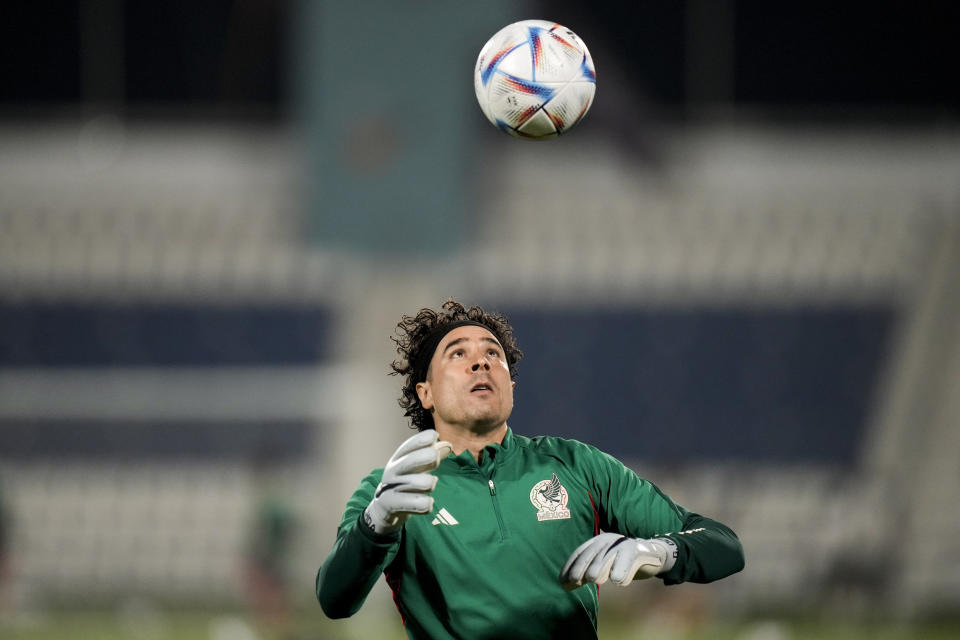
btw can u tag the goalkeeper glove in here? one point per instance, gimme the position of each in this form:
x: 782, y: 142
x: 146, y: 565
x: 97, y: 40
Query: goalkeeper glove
x: 619, y: 558
x: 406, y: 482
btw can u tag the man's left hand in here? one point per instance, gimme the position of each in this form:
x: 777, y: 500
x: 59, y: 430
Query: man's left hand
x: 618, y: 558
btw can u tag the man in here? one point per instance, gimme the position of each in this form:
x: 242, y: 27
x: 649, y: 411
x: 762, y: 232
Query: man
x: 507, y: 536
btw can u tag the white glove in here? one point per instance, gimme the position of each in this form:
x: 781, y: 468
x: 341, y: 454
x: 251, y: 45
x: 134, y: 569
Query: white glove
x: 619, y: 558
x: 406, y: 482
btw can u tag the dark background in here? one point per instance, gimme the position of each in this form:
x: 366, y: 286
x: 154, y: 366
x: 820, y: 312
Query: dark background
x: 234, y: 56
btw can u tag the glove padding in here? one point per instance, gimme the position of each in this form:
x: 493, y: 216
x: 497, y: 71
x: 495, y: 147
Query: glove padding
x: 406, y: 482
x: 619, y: 558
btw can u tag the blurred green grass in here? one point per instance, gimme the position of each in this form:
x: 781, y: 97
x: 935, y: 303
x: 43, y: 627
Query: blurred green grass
x: 232, y: 625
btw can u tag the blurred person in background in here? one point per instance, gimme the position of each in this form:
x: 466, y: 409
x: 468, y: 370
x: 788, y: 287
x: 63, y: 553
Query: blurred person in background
x: 519, y: 532
x: 269, y: 550
x: 5, y: 527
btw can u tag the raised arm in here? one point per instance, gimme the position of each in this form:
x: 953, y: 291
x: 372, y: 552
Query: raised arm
x: 369, y: 534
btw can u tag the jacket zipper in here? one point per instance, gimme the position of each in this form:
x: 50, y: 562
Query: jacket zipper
x: 496, y: 509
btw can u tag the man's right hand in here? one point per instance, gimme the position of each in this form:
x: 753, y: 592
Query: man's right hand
x: 406, y: 483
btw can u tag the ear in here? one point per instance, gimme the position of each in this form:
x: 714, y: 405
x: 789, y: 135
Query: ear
x: 425, y: 394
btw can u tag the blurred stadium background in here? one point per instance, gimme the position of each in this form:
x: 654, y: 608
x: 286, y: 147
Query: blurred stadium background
x: 744, y: 267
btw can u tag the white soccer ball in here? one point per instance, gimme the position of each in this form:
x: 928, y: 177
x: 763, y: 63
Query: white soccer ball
x: 535, y: 79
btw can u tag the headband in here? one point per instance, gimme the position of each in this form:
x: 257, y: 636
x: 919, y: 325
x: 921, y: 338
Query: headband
x: 422, y: 360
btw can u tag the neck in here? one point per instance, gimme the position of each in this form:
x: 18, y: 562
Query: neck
x: 466, y: 439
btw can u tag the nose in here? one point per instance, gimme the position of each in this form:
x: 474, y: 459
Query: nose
x: 482, y: 362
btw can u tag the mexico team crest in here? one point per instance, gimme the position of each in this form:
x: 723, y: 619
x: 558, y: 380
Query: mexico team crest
x: 550, y: 499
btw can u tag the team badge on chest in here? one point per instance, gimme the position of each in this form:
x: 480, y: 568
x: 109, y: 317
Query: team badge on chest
x: 550, y: 499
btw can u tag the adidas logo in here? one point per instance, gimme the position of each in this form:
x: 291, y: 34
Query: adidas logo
x: 445, y: 517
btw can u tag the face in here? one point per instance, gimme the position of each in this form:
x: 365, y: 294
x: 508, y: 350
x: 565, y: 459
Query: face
x: 468, y: 383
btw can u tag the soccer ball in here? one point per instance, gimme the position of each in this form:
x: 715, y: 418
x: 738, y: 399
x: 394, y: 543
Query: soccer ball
x: 534, y: 79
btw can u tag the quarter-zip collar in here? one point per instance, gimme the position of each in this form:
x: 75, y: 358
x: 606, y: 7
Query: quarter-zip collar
x: 490, y: 455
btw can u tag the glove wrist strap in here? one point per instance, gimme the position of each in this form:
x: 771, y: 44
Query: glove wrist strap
x: 670, y: 552
x: 377, y: 523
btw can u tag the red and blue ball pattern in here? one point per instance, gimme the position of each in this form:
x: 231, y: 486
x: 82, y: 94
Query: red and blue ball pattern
x: 535, y: 79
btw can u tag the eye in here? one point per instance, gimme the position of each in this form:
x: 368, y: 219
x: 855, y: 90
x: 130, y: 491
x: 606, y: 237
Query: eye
x: 494, y: 353
x: 457, y: 354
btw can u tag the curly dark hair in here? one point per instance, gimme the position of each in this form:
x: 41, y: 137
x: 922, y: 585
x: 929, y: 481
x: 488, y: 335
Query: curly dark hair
x: 411, y: 338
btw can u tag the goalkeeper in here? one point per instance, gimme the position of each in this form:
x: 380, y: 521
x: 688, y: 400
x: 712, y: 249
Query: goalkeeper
x: 507, y: 536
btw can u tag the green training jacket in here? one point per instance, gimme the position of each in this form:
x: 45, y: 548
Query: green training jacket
x: 485, y: 563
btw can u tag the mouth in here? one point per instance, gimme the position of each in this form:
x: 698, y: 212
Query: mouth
x: 480, y: 387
